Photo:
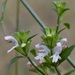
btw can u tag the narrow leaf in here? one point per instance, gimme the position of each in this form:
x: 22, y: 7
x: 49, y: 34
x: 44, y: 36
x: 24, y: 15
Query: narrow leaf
x: 31, y: 37
x: 13, y: 60
x: 67, y: 52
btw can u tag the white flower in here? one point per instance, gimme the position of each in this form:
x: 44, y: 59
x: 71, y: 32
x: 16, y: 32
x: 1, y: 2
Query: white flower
x: 40, y: 57
x: 13, y: 40
x: 42, y: 53
x: 56, y: 51
x: 42, y: 48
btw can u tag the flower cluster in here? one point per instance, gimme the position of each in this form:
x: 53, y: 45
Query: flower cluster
x: 56, y: 51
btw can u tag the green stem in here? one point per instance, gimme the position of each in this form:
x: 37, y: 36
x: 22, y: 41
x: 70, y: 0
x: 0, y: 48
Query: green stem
x: 17, y: 27
x: 58, y: 24
x: 36, y: 66
x: 2, y: 17
x: 58, y: 72
x: 17, y: 14
x: 71, y: 62
x: 32, y: 12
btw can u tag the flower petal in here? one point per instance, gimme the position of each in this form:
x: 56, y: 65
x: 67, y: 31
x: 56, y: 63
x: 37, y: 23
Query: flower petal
x: 13, y: 40
x: 12, y: 48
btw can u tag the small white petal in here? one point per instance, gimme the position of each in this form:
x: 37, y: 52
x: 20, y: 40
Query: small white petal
x: 23, y: 45
x: 12, y: 48
x: 43, y: 48
x: 55, y: 58
x: 43, y: 52
x: 37, y: 46
x: 57, y: 49
x: 58, y: 44
x: 12, y: 39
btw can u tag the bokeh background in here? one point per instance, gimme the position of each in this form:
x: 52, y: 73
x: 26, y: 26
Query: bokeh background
x: 43, y: 8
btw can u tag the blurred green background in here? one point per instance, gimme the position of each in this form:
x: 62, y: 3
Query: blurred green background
x: 43, y: 8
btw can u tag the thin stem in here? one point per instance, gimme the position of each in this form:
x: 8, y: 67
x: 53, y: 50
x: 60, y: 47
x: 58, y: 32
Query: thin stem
x: 58, y: 24
x: 17, y: 14
x: 17, y: 27
x: 36, y: 66
x: 32, y: 12
x: 58, y: 72
x: 2, y: 18
x: 71, y: 62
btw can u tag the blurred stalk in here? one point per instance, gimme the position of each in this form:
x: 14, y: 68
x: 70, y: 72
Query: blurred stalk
x: 71, y: 62
x: 2, y: 17
x: 17, y: 28
x: 33, y: 13
x: 58, y: 72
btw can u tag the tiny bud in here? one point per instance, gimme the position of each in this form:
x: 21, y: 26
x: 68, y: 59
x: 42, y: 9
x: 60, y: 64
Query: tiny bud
x: 23, y: 45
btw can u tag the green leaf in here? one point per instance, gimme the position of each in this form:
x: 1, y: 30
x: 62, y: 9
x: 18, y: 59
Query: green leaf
x: 49, y: 66
x: 20, y: 50
x: 48, y: 31
x: 24, y: 36
x: 60, y: 6
x: 66, y: 52
x: 67, y: 25
x: 64, y: 10
x: 17, y: 37
x: 33, y: 51
x: 14, y: 59
x: 31, y: 37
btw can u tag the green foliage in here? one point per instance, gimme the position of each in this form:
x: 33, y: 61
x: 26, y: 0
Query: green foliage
x: 33, y: 52
x: 51, y: 38
x: 67, y: 25
x: 60, y: 8
x: 66, y: 52
x: 24, y: 41
x: 14, y: 59
x: 48, y: 60
x: 61, y: 30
